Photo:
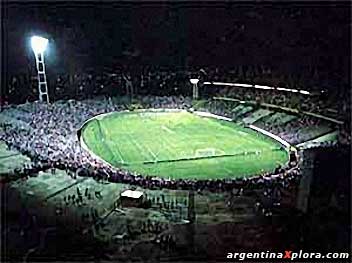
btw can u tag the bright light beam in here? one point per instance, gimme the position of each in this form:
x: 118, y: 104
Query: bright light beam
x: 194, y: 81
x: 39, y: 44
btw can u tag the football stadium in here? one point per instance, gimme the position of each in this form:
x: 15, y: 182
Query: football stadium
x: 175, y: 132
x: 179, y: 144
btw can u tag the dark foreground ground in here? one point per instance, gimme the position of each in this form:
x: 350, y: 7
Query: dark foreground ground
x: 39, y: 223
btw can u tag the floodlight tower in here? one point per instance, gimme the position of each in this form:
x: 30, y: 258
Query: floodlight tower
x: 195, y: 88
x: 39, y: 45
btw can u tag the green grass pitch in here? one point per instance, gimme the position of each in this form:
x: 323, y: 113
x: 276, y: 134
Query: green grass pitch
x: 181, y: 145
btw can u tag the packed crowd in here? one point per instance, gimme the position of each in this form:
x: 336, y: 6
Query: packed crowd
x: 165, y: 82
x: 296, y: 131
x: 293, y: 129
x: 51, y: 141
x: 336, y: 107
x: 168, y: 82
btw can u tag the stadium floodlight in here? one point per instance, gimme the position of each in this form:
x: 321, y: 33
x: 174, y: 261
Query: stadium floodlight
x: 39, y: 44
x: 194, y: 82
x: 304, y: 92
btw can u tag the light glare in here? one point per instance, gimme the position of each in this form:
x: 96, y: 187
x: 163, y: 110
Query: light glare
x: 39, y: 44
x: 304, y: 92
x: 194, y: 81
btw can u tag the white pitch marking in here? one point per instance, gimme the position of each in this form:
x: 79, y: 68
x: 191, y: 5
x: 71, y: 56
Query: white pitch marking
x: 167, y: 129
x: 243, y: 133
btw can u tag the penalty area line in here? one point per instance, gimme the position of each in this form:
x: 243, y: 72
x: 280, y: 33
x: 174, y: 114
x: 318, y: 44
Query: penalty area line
x: 139, y: 146
x: 167, y: 129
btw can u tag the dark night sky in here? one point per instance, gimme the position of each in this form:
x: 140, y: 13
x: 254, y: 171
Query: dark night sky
x: 287, y: 36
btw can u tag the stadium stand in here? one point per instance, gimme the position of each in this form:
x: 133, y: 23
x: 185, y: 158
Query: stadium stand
x: 280, y: 113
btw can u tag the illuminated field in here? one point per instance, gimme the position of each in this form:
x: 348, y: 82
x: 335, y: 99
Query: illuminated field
x: 181, y: 145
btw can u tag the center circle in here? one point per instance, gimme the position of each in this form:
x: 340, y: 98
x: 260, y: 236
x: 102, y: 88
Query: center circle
x: 179, y: 144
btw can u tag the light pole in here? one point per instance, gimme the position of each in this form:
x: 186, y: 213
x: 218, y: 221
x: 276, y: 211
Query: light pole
x: 39, y: 45
x: 194, y: 82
